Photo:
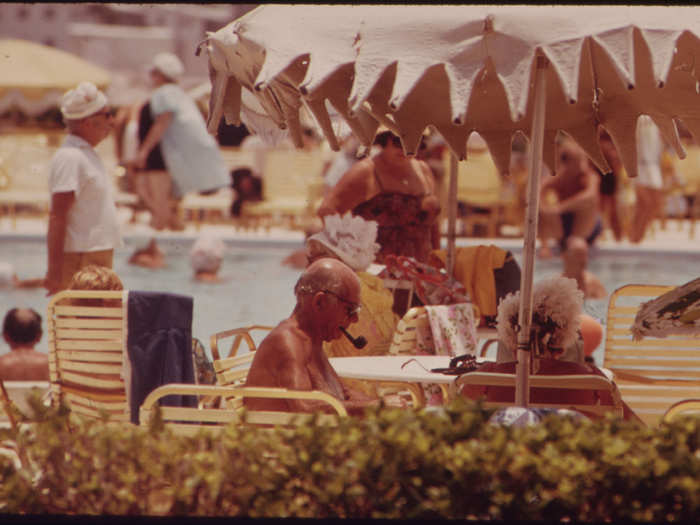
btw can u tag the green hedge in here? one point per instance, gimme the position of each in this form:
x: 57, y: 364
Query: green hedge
x: 391, y: 464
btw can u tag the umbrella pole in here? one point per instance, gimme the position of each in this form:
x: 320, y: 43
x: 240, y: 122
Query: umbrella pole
x: 451, y: 214
x: 522, y: 370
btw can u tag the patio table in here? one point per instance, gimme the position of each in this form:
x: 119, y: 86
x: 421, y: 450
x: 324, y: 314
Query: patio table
x: 398, y: 369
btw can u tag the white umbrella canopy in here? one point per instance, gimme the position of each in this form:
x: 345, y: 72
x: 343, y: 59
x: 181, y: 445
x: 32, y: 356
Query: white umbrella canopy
x: 34, y: 77
x: 495, y: 70
x: 258, y: 122
x: 467, y: 68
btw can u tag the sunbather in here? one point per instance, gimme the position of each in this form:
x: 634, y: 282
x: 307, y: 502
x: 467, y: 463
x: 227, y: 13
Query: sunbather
x: 556, y: 320
x: 575, y: 219
x: 21, y: 330
x: 291, y: 356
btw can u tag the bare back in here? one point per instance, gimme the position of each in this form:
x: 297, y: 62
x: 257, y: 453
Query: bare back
x: 287, y: 358
x: 24, y: 365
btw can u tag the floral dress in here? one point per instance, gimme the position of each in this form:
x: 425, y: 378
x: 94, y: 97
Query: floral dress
x: 403, y: 227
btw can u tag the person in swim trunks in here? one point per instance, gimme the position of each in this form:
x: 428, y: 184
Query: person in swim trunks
x: 574, y: 221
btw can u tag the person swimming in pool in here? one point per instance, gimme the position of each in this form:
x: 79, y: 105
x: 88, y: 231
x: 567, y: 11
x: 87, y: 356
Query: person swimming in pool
x: 574, y: 220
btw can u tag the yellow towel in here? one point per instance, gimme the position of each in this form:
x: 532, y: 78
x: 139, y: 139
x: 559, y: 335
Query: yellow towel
x: 474, y: 266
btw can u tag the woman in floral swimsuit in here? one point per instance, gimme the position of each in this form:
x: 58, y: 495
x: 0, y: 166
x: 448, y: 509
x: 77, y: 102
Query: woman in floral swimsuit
x: 396, y: 191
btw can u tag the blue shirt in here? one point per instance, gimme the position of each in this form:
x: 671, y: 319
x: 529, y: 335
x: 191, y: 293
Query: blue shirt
x: 191, y: 154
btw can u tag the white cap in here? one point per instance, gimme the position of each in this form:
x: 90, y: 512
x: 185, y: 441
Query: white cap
x: 169, y: 65
x: 7, y: 273
x: 82, y: 101
x: 206, y: 253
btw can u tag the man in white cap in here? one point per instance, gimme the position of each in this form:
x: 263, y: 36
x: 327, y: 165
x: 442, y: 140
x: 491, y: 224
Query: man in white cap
x: 83, y: 226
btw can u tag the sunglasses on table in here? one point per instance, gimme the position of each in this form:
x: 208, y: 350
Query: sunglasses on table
x: 352, y: 308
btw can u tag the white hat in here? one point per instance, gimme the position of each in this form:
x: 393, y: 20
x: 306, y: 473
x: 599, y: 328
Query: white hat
x: 206, y: 253
x: 169, y: 65
x: 351, y: 239
x: 82, y: 101
x: 7, y: 273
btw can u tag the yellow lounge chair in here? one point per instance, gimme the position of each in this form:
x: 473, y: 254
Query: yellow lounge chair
x: 292, y: 186
x: 86, y: 352
x: 189, y: 421
x: 653, y: 373
x: 685, y: 407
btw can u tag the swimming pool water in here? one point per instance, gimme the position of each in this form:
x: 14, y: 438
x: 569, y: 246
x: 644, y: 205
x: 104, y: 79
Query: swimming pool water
x: 258, y: 289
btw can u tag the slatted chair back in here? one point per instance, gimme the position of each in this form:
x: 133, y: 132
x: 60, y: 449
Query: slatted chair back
x: 86, y: 339
x: 235, y: 157
x: 480, y: 185
x: 233, y: 370
x: 239, y: 335
x: 559, y: 382
x: 291, y: 182
x: 290, y: 172
x: 189, y: 421
x: 406, y: 340
x: 653, y: 373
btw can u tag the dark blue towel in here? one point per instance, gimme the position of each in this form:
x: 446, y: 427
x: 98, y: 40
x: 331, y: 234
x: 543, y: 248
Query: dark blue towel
x: 160, y: 346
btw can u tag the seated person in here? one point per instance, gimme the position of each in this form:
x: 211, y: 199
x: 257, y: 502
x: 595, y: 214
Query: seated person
x: 352, y: 240
x: 556, y: 320
x: 96, y: 277
x: 574, y: 220
x: 21, y: 330
x: 291, y: 356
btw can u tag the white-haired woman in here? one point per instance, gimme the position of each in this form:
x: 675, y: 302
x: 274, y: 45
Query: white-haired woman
x: 556, y: 321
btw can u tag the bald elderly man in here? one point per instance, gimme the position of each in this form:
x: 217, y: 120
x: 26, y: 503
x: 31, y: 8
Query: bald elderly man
x: 21, y: 330
x: 291, y: 356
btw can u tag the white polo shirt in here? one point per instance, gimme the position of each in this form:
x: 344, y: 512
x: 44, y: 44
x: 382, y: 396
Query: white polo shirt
x: 92, y: 220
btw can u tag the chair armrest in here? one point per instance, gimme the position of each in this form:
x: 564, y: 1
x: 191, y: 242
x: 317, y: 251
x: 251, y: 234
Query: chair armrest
x: 285, y: 393
x: 241, y: 334
x: 687, y: 405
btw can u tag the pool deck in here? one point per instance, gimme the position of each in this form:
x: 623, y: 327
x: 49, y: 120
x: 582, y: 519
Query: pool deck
x: 674, y: 239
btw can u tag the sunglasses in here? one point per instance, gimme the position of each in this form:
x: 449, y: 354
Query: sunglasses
x: 352, y: 308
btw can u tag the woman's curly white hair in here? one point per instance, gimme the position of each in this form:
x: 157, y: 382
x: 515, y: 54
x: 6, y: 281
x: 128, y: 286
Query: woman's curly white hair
x: 556, y: 314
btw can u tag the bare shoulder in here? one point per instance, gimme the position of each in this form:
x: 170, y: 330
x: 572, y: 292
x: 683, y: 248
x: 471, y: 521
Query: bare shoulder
x: 358, y: 175
x: 285, y: 341
x: 354, y: 187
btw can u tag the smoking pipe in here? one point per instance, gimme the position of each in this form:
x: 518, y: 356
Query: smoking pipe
x: 358, y: 342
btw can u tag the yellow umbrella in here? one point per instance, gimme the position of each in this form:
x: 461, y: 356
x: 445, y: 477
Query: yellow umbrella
x: 33, y: 77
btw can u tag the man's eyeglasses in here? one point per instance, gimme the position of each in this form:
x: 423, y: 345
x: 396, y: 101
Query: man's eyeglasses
x: 352, y: 308
x: 106, y: 112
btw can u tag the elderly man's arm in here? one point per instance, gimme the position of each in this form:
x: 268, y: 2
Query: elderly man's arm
x: 356, y: 401
x: 61, y: 203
